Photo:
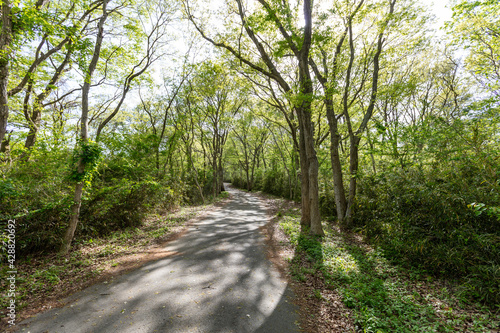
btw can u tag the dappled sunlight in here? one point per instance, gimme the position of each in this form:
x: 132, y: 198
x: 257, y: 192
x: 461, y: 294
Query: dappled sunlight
x: 343, y: 263
x: 216, y: 279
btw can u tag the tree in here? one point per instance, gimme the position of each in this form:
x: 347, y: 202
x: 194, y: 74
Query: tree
x: 158, y: 112
x: 187, y: 126
x: 154, y: 40
x: 269, y: 17
x: 5, y: 45
x: 475, y: 26
x: 15, y: 19
x: 153, y: 51
x: 348, y: 97
x: 250, y: 137
x: 87, y: 152
x: 54, y: 34
x: 217, y: 99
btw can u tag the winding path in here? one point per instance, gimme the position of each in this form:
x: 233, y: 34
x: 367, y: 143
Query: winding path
x: 217, y: 280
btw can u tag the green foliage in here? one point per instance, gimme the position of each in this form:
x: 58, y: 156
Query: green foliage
x: 272, y: 181
x: 122, y: 205
x: 382, y: 299
x: 7, y: 190
x: 89, y: 155
x: 481, y: 208
x: 105, y: 210
x: 475, y: 26
x: 430, y: 198
x: 38, y: 193
x: 422, y: 219
x: 42, y: 230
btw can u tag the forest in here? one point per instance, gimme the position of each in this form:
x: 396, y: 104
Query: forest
x: 378, y: 123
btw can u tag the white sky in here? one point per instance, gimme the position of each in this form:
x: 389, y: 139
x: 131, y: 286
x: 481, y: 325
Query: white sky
x: 440, y: 8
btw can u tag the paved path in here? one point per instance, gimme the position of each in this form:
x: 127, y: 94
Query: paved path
x: 220, y: 281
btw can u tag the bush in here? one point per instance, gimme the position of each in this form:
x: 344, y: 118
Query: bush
x: 271, y: 181
x: 36, y: 194
x: 120, y: 206
x: 42, y: 230
x: 424, y: 219
x: 124, y: 187
x: 105, y: 210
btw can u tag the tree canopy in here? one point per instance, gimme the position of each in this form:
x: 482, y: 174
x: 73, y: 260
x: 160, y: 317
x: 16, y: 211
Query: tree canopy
x: 113, y: 109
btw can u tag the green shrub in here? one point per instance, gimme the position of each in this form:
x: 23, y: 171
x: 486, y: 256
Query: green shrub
x: 121, y: 206
x: 271, y: 181
x: 42, y: 230
x: 424, y: 219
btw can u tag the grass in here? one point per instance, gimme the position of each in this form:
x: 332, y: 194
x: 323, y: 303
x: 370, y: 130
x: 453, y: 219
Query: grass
x: 383, y: 297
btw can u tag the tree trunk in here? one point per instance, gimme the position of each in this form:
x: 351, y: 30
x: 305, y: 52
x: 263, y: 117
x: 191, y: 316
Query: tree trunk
x: 355, y: 137
x: 312, y: 174
x: 189, y: 142
x: 5, y: 148
x: 304, y: 180
x: 193, y: 167
x: 215, y: 189
x: 220, y: 172
x: 77, y: 199
x: 338, y: 179
x: 5, y: 43
x: 75, y: 214
x: 249, y: 187
x: 157, y: 158
x: 310, y: 167
x: 370, y: 142
x: 353, y: 173
x: 36, y: 118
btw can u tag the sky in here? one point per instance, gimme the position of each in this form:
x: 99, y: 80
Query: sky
x: 441, y: 9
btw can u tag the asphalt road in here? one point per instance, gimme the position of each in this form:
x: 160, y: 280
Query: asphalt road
x: 219, y: 281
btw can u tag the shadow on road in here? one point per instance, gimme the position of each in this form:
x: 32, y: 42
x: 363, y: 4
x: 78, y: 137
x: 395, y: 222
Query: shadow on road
x: 217, y: 280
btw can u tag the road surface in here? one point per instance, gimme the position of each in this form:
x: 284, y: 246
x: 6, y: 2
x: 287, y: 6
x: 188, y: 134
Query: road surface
x: 217, y: 280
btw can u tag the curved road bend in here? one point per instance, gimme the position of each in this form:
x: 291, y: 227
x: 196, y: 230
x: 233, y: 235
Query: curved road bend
x: 219, y: 281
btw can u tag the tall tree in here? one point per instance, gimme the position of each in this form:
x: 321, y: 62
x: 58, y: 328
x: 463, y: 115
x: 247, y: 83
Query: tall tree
x: 158, y: 19
x: 84, y: 133
x: 55, y: 27
x: 218, y: 99
x: 5, y: 54
x: 250, y: 137
x: 33, y: 112
x: 278, y: 15
x: 343, y: 88
x: 475, y: 27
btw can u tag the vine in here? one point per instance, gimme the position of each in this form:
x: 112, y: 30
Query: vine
x: 89, y: 155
